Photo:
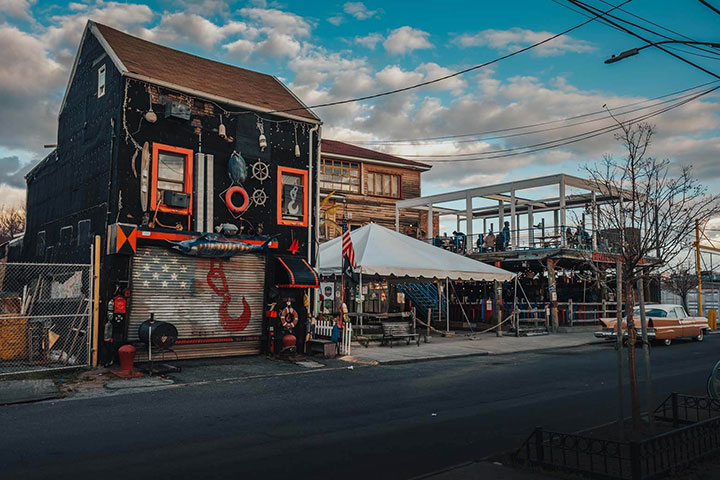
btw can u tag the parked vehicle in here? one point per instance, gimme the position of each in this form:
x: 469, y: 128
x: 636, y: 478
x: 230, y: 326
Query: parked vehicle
x: 665, y: 323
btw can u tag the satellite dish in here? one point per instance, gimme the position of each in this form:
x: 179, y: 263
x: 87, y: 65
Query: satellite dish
x: 713, y: 385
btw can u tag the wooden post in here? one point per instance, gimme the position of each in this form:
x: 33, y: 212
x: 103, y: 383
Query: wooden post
x: 447, y: 303
x: 498, y: 307
x: 553, y: 295
x: 429, y: 319
x: 619, y: 347
x: 570, y: 313
x: 96, y: 300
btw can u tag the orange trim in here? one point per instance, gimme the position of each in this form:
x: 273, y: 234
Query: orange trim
x: 304, y: 175
x: 312, y: 270
x: 179, y: 237
x: 292, y: 277
x: 157, y: 148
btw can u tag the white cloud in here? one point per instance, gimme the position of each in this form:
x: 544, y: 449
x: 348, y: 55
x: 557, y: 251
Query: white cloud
x: 278, y: 21
x: 395, y: 77
x: 336, y: 20
x: 517, y: 38
x: 359, y: 10
x: 19, y: 9
x: 406, y: 39
x: 11, y: 196
x: 191, y: 28
x: 370, y: 40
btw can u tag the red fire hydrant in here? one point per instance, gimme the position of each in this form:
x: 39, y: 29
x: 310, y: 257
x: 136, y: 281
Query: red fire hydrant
x: 127, y: 359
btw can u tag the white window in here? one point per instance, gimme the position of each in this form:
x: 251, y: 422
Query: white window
x: 101, y: 81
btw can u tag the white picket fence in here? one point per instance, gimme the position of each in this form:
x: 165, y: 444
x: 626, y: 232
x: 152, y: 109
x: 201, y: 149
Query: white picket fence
x: 323, y: 328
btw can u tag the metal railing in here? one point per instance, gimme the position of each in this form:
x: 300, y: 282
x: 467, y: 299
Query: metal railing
x: 634, y: 460
x: 532, y: 239
x: 45, y: 312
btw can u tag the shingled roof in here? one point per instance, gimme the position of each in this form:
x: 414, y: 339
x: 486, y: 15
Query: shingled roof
x: 165, y: 65
x: 335, y: 147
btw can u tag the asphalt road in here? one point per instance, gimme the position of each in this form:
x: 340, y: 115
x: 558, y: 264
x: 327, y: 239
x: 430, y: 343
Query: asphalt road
x: 389, y: 422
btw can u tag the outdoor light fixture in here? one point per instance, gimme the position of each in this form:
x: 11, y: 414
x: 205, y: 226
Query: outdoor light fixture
x: 623, y: 55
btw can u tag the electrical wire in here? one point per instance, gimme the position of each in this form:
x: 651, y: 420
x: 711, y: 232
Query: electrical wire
x: 592, y: 10
x: 716, y: 54
x: 562, y: 141
x: 458, y: 73
x: 450, y: 138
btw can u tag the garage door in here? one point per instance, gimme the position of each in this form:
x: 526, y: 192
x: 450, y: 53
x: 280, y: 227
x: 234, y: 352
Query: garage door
x: 216, y: 304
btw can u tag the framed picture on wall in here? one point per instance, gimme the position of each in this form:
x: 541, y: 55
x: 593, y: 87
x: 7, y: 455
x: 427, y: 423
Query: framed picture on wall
x: 292, y: 197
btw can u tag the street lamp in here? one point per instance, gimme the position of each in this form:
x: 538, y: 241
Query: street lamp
x: 635, y: 51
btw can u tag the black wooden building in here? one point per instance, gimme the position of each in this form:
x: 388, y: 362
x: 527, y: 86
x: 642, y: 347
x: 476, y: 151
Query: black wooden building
x: 176, y: 160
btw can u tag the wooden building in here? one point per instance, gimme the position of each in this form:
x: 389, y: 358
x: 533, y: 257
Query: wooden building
x: 175, y: 160
x: 364, y: 185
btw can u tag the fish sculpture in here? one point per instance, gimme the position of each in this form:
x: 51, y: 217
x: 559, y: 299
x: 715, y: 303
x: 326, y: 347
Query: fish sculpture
x: 237, y: 168
x: 212, y: 245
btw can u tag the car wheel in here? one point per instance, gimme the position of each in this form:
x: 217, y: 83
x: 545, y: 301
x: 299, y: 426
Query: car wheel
x: 700, y: 336
x: 667, y: 342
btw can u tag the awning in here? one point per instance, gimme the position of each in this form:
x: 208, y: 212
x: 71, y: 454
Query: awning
x: 295, y: 272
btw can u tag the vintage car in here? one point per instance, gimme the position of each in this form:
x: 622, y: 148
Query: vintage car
x: 664, y: 323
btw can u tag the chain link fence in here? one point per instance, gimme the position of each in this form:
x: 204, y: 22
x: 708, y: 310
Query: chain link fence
x: 45, y: 312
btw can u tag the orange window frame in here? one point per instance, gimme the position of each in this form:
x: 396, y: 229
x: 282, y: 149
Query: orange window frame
x: 157, y: 148
x: 304, y: 175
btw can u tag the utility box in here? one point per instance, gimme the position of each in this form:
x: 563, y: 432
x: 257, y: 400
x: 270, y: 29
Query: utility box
x: 176, y: 199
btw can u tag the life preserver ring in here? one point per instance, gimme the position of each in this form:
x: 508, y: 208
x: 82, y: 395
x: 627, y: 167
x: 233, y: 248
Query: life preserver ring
x: 236, y: 209
x: 292, y: 321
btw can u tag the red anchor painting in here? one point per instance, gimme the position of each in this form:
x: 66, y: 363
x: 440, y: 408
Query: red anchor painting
x: 217, y: 281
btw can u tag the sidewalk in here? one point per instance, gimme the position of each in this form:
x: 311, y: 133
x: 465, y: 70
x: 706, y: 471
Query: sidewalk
x: 464, y: 345
x: 483, y: 471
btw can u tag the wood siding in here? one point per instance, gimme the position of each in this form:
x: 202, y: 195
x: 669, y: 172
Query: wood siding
x: 362, y: 208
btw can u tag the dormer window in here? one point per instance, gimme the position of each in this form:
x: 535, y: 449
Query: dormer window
x: 101, y: 81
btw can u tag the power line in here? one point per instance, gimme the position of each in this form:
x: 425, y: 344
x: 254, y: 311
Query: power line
x: 455, y: 74
x: 714, y: 9
x: 659, y: 47
x: 566, y: 140
x: 451, y: 138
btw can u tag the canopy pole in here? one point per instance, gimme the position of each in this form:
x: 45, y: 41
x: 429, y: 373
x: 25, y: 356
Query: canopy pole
x: 360, y: 306
x: 447, y: 304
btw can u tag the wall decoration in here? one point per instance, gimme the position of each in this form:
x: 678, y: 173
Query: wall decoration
x: 260, y: 171
x: 132, y: 163
x: 145, y: 176
x: 288, y: 317
x: 259, y: 197
x: 262, y: 140
x: 212, y: 245
x: 234, y: 208
x: 297, y: 147
x: 218, y: 282
x: 292, y: 197
x: 237, y: 168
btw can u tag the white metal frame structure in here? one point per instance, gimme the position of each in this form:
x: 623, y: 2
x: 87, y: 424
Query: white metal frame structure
x: 509, y: 203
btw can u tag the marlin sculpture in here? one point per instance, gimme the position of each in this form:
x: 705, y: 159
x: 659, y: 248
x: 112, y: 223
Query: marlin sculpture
x: 212, y: 245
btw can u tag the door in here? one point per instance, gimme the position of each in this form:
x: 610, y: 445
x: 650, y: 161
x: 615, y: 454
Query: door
x: 216, y: 304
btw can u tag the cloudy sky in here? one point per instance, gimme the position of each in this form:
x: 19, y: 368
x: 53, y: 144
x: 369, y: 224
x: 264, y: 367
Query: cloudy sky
x: 329, y: 50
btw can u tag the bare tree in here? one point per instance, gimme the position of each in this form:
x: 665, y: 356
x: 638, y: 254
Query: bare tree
x: 12, y: 222
x: 680, y: 279
x: 650, y: 213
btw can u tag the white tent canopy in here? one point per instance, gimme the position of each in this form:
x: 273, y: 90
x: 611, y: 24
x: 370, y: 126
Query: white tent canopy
x: 385, y: 252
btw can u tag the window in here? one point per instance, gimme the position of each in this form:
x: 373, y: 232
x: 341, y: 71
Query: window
x: 172, y: 171
x: 40, y: 245
x: 66, y: 235
x: 383, y: 184
x: 101, y: 81
x: 83, y: 230
x: 292, y: 201
x: 339, y: 175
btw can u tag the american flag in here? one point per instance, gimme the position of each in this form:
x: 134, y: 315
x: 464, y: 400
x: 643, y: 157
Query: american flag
x: 347, y: 247
x: 165, y: 271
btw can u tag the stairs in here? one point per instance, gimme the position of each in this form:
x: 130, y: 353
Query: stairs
x: 424, y: 296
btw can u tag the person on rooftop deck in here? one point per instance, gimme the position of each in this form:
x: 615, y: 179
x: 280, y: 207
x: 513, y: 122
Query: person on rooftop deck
x: 460, y: 239
x: 489, y: 243
x: 506, y: 235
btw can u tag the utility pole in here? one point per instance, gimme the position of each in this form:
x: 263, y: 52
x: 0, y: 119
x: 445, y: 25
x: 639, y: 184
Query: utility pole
x: 552, y: 288
x: 698, y: 270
